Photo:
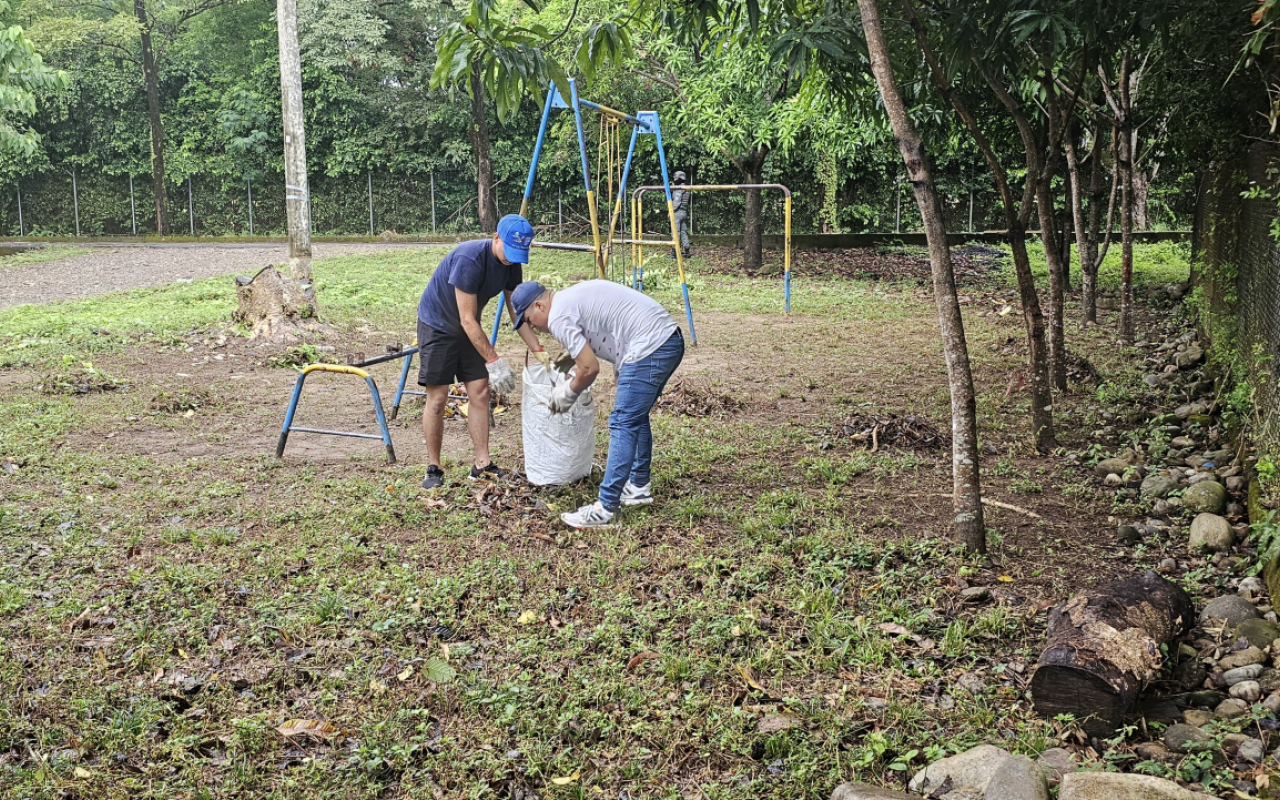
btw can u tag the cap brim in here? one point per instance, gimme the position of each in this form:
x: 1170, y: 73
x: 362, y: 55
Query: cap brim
x: 519, y: 322
x: 515, y: 255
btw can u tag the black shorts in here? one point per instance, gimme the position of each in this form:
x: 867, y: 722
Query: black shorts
x: 444, y: 358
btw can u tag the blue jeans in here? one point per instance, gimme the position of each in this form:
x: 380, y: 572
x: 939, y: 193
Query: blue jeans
x: 630, y: 438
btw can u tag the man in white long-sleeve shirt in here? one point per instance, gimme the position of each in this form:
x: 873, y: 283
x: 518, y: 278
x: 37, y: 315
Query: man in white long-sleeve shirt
x: 597, y: 320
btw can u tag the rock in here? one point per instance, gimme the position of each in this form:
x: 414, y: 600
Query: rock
x: 1190, y: 410
x: 1269, y: 680
x: 1117, y: 465
x: 1230, y: 608
x: 1232, y: 741
x: 1018, y: 778
x: 1235, y: 483
x: 1182, y: 441
x: 1243, y: 658
x: 1272, y: 703
x: 1203, y: 699
x: 1168, y: 564
x: 1248, y: 691
x: 1211, y: 533
x: 1259, y: 632
x: 1121, y: 786
x: 1157, y: 485
x: 1208, y: 496
x: 976, y: 594
x: 1056, y: 762
x: 1242, y: 674
x: 1189, y: 674
x: 1219, y: 457
x: 1113, y: 481
x: 1198, y: 717
x: 1189, y: 358
x: 1161, y: 711
x: 1252, y: 751
x: 1201, y: 477
x: 970, y: 772
x: 1154, y: 751
x: 1231, y: 708
x: 1254, y: 585
x: 1235, y: 510
x: 972, y: 683
x: 1183, y: 738
x: 1128, y: 534
x: 776, y: 722
x: 861, y: 791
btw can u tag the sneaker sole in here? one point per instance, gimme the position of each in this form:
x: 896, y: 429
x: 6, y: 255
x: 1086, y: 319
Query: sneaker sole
x: 604, y: 526
x: 640, y: 501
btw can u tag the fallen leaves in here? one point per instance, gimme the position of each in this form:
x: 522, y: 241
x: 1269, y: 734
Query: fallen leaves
x: 691, y: 400
x: 640, y: 658
x: 527, y: 618
x: 899, y: 430
x: 566, y: 780
x: 315, y: 728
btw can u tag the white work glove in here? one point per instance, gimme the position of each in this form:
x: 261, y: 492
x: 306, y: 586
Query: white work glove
x: 562, y: 398
x: 501, y: 379
x: 543, y: 358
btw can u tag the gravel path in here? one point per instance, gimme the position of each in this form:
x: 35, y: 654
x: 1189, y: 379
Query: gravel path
x: 117, y: 268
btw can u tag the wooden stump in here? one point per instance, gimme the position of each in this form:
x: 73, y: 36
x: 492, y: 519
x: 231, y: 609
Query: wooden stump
x: 1103, y: 647
x: 274, y: 305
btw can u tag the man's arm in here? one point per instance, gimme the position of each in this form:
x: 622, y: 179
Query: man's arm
x: 468, y: 310
x: 588, y: 367
x: 525, y: 331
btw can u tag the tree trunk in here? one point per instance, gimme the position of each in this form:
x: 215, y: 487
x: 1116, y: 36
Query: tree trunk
x: 752, y: 168
x: 272, y: 305
x: 1126, y: 203
x: 487, y: 207
x: 151, y: 78
x: 1057, y: 279
x: 297, y: 187
x: 1103, y: 646
x: 969, y: 525
x: 1037, y: 350
x: 1086, y: 245
x: 1141, y: 192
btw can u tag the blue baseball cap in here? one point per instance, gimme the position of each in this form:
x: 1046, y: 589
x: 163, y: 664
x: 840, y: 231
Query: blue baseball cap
x: 516, y: 234
x: 523, y: 297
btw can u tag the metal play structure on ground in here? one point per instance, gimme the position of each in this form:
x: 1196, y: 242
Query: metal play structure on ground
x: 643, y: 123
x: 637, y: 232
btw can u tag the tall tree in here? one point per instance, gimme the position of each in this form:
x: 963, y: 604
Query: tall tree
x: 138, y: 31
x: 22, y: 75
x: 968, y: 520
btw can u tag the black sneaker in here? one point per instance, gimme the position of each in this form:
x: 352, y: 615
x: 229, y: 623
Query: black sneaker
x: 489, y: 473
x: 434, y: 479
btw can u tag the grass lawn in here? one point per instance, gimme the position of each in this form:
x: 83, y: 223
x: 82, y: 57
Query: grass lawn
x: 785, y: 617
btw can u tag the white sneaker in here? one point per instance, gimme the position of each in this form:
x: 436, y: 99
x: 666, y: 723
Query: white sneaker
x: 633, y: 495
x: 592, y: 516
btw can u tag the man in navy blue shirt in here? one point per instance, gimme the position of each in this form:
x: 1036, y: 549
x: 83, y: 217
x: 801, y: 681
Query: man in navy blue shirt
x: 453, y: 345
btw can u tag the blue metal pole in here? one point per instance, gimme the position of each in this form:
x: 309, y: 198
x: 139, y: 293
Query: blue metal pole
x: 288, y: 416
x: 404, y: 377
x: 537, y: 151
x: 497, y: 318
x: 382, y: 420
x: 582, y: 139
x: 671, y: 215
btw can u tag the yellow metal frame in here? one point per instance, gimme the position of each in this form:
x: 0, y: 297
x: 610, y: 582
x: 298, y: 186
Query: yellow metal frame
x: 638, y: 242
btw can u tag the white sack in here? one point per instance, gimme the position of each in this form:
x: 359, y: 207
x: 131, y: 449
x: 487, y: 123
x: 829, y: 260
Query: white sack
x: 558, y: 448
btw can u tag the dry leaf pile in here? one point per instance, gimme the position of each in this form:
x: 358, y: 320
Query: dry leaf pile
x: 691, y: 400
x: 898, y: 430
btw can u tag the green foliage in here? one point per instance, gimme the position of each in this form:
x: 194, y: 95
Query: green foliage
x: 23, y: 75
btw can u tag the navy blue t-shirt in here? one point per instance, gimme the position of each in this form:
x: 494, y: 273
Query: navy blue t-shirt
x: 473, y: 268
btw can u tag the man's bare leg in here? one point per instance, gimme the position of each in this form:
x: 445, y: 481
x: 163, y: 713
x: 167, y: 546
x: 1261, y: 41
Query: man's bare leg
x: 433, y: 421
x: 478, y: 420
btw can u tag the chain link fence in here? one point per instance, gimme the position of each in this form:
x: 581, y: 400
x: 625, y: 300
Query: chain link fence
x: 1236, y: 274
x: 79, y: 202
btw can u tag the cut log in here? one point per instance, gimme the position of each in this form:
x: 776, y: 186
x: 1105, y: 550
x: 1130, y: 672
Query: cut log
x: 273, y: 305
x: 1103, y: 647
